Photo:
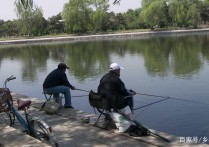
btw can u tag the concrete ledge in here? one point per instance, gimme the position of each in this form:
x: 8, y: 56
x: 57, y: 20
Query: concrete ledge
x: 99, y: 37
x: 69, y: 131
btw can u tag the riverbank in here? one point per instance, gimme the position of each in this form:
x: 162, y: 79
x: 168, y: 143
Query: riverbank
x: 99, y: 37
x: 72, y: 132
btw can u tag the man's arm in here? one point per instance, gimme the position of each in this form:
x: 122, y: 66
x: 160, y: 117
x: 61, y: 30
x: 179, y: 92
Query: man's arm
x: 67, y: 83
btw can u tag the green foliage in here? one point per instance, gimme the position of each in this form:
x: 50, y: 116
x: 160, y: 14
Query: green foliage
x: 111, y: 23
x: 30, y: 22
x: 184, y: 13
x: 84, y: 16
x: 153, y: 13
x: 26, y: 3
x: 55, y: 24
x: 99, y: 15
x: 133, y: 19
x: 204, y: 13
x: 77, y: 16
x: 92, y: 16
x: 8, y: 28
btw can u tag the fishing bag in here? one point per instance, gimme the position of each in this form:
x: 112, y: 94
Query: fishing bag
x: 98, y: 100
x: 137, y: 131
x: 50, y: 107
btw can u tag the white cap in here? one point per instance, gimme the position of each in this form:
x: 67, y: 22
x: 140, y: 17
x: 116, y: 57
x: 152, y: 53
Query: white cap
x: 115, y: 66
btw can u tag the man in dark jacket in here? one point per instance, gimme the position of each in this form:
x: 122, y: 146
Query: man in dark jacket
x: 56, y: 82
x: 114, y: 89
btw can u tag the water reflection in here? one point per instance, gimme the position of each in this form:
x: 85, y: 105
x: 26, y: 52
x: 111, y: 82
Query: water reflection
x: 183, y: 56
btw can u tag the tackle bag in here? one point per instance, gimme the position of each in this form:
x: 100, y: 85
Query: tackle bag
x: 137, y: 131
x: 50, y: 107
x: 98, y: 100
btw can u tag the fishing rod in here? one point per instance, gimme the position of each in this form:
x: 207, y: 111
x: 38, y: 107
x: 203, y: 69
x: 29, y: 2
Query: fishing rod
x: 151, y: 103
x: 143, y: 127
x: 82, y: 90
x: 79, y: 95
x: 178, y: 99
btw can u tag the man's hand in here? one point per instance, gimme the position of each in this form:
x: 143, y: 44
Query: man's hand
x: 132, y: 92
x: 73, y: 88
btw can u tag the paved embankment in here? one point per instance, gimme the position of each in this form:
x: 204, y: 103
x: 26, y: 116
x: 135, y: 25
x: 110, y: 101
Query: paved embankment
x: 11, y: 137
x: 99, y: 37
x: 71, y: 132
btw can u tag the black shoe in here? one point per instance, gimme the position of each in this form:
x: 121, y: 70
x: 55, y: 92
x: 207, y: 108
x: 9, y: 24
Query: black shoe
x: 69, y: 107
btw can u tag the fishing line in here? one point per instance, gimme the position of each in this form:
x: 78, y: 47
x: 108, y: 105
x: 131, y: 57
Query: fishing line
x: 139, y: 113
x: 178, y: 99
x: 205, y: 131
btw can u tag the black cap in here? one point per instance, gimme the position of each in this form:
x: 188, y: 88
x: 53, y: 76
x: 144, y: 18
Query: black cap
x: 63, y: 66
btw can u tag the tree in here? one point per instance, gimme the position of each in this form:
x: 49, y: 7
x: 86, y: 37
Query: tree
x: 84, y: 16
x: 184, y: 12
x: 111, y: 21
x: 99, y: 15
x: 30, y: 22
x: 120, y: 21
x: 8, y: 28
x: 26, y: 3
x: 29, y: 3
x: 55, y: 24
x: 193, y: 16
x: 133, y: 19
x: 1, y: 28
x: 76, y: 15
x: 204, y: 11
x: 154, y: 13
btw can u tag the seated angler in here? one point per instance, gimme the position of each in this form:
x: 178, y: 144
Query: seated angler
x: 56, y: 82
x: 114, y: 89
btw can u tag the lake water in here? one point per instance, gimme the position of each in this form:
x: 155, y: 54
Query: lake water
x: 175, y: 66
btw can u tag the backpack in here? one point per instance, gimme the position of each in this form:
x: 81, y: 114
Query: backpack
x: 137, y: 131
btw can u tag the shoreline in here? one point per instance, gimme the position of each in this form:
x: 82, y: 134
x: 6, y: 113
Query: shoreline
x: 99, y: 37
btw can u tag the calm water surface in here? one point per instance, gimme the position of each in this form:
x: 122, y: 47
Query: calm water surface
x: 174, y: 66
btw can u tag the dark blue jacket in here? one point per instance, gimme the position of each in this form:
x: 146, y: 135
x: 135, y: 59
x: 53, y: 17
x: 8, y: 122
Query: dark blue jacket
x: 114, y: 89
x: 56, y: 78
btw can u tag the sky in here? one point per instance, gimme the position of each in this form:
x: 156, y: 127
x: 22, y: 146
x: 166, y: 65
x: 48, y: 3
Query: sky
x: 53, y: 7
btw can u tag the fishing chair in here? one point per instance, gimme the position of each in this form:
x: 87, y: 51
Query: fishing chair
x: 49, y: 96
x: 99, y: 101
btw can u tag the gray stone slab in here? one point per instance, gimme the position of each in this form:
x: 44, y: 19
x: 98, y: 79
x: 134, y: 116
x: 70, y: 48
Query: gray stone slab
x: 11, y: 137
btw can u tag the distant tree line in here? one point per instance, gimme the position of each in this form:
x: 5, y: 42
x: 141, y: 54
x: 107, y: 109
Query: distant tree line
x: 92, y: 16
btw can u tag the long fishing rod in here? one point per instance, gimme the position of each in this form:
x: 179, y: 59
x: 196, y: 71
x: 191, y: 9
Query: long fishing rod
x: 79, y: 95
x: 82, y: 90
x: 151, y: 103
x: 172, y: 98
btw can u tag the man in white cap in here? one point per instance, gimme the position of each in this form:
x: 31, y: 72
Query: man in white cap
x: 114, y: 89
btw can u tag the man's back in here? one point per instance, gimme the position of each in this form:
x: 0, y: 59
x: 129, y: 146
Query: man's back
x: 112, y: 86
x: 55, y: 78
x: 110, y: 83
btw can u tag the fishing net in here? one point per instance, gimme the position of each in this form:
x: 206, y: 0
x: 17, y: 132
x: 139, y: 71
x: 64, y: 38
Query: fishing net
x: 4, y: 96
